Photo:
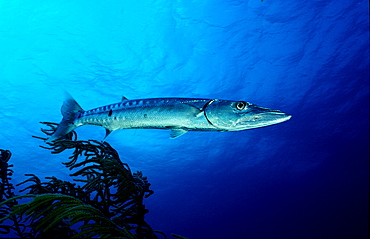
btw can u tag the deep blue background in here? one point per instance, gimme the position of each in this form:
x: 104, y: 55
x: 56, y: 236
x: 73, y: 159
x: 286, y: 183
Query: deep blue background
x: 305, y: 178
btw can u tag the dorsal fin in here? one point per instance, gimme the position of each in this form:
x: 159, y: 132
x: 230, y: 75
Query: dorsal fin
x: 123, y: 98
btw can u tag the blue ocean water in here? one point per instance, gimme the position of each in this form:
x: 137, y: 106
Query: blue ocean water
x: 305, y: 178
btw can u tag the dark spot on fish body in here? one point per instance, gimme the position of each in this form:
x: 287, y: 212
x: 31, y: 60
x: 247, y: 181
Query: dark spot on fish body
x: 145, y: 116
x: 110, y: 112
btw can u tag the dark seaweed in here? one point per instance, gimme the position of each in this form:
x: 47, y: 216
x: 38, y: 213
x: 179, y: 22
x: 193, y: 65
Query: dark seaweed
x: 105, y: 198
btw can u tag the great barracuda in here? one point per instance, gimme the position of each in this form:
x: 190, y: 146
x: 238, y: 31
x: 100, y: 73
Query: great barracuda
x: 179, y: 115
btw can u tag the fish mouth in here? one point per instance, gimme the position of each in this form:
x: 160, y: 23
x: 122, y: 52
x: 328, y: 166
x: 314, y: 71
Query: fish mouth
x: 273, y: 117
x: 264, y: 119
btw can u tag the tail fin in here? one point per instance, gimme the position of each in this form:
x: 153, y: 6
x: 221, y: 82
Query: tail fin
x: 69, y: 109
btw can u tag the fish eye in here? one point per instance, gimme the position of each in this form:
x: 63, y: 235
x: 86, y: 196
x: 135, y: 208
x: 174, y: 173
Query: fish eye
x: 241, y: 105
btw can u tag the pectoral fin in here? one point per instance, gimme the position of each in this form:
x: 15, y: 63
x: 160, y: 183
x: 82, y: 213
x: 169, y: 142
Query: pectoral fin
x: 177, y: 133
x: 197, y: 112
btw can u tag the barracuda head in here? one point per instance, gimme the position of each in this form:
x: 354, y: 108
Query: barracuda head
x: 240, y: 115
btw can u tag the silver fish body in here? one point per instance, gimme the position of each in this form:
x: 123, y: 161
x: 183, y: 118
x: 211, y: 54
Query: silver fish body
x: 179, y: 115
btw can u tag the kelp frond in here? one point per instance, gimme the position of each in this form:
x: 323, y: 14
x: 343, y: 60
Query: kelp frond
x: 105, y: 200
x: 50, y: 210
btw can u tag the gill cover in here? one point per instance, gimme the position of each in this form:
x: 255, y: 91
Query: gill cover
x: 225, y: 114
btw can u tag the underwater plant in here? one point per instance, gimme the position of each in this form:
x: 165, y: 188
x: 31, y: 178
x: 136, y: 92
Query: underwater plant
x: 105, y: 200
